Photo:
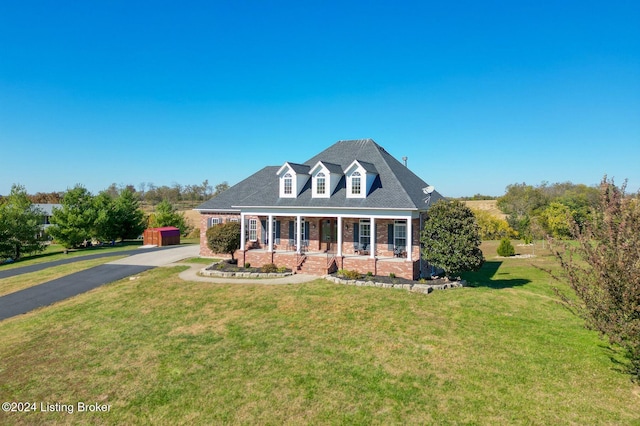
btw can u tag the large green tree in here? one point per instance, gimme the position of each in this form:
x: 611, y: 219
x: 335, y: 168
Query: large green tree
x: 491, y: 227
x: 20, y: 225
x: 451, y: 239
x: 75, y: 221
x: 520, y: 203
x: 118, y: 216
x: 131, y: 220
x: 167, y: 215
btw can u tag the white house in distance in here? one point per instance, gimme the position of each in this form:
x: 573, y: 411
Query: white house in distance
x: 352, y: 206
x: 47, y: 211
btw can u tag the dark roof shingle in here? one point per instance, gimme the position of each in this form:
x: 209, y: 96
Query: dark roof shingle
x: 395, y: 187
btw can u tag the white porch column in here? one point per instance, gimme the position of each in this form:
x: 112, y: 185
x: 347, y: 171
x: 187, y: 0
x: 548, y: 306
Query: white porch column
x: 243, y: 231
x: 409, y: 239
x: 372, y: 237
x: 298, y: 232
x: 339, y: 236
x: 270, y: 232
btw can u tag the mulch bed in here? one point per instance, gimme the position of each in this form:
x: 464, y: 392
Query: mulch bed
x: 227, y: 266
x: 397, y: 280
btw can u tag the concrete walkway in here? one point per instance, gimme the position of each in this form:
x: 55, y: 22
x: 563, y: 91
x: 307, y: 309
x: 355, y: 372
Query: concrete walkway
x: 191, y: 274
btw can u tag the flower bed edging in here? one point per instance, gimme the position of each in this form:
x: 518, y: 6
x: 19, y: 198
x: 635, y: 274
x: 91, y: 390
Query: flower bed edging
x: 417, y: 288
x: 221, y: 274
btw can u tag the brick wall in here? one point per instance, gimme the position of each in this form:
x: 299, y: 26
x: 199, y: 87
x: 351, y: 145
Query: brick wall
x: 204, y: 222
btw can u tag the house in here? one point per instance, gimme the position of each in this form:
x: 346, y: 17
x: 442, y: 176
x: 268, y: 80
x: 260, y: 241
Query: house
x: 352, y: 206
x: 46, y: 211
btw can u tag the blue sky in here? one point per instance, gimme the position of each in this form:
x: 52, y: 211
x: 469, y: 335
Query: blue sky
x: 478, y: 95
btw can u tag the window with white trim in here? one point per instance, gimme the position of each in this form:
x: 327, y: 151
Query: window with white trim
x: 234, y: 219
x: 400, y: 234
x: 214, y: 221
x: 356, y: 183
x: 288, y: 184
x: 365, y: 233
x: 253, y: 229
x: 320, y: 184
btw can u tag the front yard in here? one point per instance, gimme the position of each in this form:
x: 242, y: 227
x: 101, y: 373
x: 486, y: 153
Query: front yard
x: 163, y: 351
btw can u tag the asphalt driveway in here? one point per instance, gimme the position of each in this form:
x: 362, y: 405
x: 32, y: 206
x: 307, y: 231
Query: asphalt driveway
x: 71, y: 285
x: 40, y: 266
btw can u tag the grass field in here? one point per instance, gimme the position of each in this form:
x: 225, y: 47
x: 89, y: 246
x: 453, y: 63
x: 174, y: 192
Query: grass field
x: 159, y: 350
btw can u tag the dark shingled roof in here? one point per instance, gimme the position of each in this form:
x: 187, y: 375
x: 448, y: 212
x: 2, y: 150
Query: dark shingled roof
x: 395, y: 187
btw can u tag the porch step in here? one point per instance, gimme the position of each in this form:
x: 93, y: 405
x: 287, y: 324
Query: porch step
x: 314, y: 265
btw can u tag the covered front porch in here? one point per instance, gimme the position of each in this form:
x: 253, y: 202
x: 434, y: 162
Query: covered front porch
x: 382, y: 243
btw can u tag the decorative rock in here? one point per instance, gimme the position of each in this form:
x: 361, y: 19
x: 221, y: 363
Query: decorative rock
x: 417, y: 288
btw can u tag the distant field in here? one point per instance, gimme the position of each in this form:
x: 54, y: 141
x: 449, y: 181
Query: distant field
x: 193, y: 218
x: 159, y: 350
x: 488, y: 205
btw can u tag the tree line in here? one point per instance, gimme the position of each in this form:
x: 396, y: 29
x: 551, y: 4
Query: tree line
x: 148, y: 193
x: 534, y: 212
x: 113, y: 214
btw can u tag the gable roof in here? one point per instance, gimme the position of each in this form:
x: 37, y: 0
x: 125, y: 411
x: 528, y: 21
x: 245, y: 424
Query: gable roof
x: 333, y: 168
x: 395, y: 187
x: 297, y: 168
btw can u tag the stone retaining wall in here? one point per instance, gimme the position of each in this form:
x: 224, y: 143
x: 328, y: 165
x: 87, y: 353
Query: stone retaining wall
x: 240, y: 274
x: 418, y: 288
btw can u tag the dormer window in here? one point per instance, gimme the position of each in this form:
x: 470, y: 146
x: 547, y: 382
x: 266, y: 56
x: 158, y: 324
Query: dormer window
x: 360, y: 177
x: 321, y: 184
x: 356, y: 183
x: 288, y: 184
x: 293, y: 177
x: 325, y: 179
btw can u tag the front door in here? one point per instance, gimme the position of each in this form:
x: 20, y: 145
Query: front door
x: 328, y: 234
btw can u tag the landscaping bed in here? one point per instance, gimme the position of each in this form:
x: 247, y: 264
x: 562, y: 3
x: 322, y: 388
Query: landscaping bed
x: 227, y: 269
x: 421, y: 286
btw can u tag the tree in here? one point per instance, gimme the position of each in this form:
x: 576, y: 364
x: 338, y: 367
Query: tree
x: 130, y: 219
x: 74, y: 222
x: 118, y: 216
x: 491, y: 227
x: 106, y: 224
x: 557, y: 220
x: 20, y: 225
x: 166, y: 215
x: 224, y: 238
x: 505, y: 248
x: 450, y: 238
x: 603, y: 269
x: 220, y: 188
x: 520, y: 203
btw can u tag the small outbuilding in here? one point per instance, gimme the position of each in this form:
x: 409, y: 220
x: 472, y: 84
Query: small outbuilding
x: 166, y: 236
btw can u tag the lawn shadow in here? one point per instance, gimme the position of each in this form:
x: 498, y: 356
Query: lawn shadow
x: 488, y: 276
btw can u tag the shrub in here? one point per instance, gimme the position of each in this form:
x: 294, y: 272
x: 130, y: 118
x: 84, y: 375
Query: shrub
x: 269, y: 268
x: 603, y: 268
x: 392, y: 275
x: 282, y: 269
x: 349, y: 275
x: 506, y: 248
x: 224, y: 238
x: 450, y: 238
x: 247, y: 265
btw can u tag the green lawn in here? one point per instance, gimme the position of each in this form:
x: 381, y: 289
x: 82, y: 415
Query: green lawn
x: 163, y: 351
